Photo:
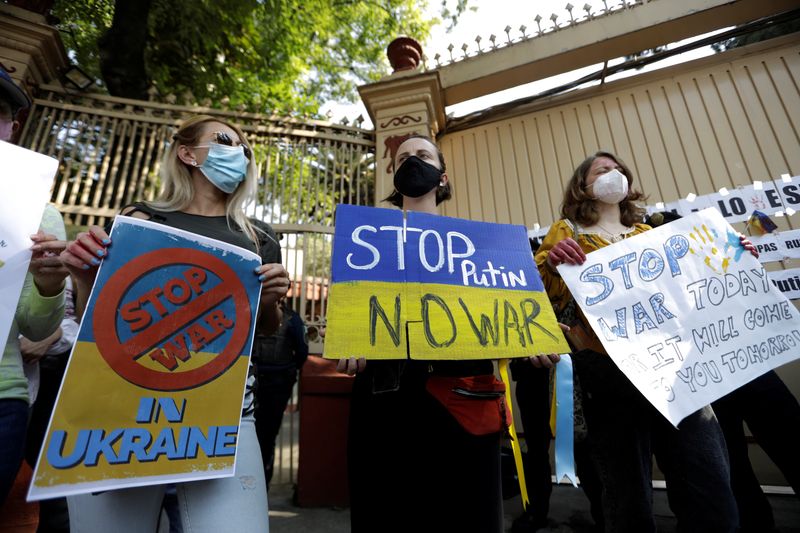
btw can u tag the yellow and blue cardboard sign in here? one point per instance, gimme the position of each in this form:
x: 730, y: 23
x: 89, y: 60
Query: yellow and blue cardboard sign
x: 407, y: 284
x: 154, y: 387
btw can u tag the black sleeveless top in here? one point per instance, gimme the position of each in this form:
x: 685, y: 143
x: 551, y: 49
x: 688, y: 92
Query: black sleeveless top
x: 216, y: 227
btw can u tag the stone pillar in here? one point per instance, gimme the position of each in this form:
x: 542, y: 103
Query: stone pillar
x: 31, y: 50
x: 399, y: 105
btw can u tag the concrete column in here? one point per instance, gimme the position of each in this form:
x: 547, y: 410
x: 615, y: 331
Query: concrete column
x: 31, y: 50
x: 404, y: 103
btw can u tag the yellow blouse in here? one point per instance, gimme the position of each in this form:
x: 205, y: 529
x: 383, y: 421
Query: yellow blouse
x: 556, y: 289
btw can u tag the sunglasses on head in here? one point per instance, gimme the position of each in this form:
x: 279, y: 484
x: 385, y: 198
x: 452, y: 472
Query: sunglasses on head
x: 220, y: 137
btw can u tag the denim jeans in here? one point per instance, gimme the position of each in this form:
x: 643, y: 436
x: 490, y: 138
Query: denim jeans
x: 625, y: 431
x: 273, y: 393
x: 237, y: 503
x: 13, y: 424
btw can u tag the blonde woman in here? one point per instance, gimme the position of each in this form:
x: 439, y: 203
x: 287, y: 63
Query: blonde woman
x: 207, y: 175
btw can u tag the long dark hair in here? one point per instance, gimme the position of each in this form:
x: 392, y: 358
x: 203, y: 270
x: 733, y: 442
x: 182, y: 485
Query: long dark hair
x: 443, y: 192
x: 579, y: 207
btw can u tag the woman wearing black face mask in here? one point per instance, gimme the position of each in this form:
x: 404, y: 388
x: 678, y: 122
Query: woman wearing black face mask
x: 412, y: 467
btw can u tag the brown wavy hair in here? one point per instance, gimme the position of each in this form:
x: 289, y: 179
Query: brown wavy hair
x: 579, y: 207
x: 443, y: 192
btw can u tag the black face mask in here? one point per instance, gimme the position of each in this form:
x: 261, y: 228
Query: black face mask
x: 415, y: 177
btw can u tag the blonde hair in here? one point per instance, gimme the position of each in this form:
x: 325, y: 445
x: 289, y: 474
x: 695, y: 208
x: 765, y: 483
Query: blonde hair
x: 177, y: 188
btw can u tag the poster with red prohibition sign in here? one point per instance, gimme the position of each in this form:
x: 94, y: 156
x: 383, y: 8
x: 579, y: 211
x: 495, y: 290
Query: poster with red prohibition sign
x: 154, y: 387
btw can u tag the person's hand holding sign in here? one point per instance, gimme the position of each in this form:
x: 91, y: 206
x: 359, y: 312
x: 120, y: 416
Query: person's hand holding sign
x: 82, y: 257
x: 351, y: 365
x: 275, y: 284
x: 548, y: 360
x: 46, y: 267
x: 747, y: 245
x: 565, y: 251
x: 348, y: 365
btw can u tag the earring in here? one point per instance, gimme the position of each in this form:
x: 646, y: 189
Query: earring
x: 441, y: 184
x: 194, y: 163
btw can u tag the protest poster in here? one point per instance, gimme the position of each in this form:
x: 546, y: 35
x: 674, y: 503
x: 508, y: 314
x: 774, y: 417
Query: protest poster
x: 777, y: 246
x: 25, y: 181
x: 685, y: 312
x: 789, y: 189
x: 763, y: 197
x: 787, y: 281
x: 698, y: 203
x: 154, y: 387
x: 736, y: 205
x: 771, y: 197
x: 407, y: 284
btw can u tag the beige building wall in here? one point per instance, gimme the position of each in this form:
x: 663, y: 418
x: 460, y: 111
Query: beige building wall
x: 721, y: 121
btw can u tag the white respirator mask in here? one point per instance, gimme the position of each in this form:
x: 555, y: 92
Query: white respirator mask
x: 611, y: 187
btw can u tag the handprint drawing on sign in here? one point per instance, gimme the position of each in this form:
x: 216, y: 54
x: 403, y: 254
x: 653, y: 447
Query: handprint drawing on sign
x: 757, y: 201
x: 704, y: 245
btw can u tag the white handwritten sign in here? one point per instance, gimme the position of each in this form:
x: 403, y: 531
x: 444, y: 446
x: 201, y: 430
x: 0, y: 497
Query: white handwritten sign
x: 685, y: 312
x: 787, y: 281
x: 25, y: 181
x: 736, y: 205
x: 430, y: 287
x: 777, y: 246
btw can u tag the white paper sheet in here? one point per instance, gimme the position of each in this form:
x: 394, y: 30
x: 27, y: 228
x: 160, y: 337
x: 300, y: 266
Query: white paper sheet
x: 25, y: 181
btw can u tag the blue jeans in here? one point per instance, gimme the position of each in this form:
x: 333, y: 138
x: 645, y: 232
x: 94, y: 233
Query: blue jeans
x: 13, y: 425
x: 625, y: 431
x: 272, y: 396
x: 237, y: 503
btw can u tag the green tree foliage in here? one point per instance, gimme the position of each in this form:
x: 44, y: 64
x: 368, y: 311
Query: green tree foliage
x: 281, y: 55
x: 81, y: 25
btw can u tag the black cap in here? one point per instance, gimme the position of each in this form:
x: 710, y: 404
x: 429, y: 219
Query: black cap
x: 12, y: 93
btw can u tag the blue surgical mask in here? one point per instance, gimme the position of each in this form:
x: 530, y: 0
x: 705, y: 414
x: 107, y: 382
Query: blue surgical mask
x: 225, y: 166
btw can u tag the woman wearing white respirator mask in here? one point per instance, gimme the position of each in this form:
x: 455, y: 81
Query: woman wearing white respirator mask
x: 623, y: 429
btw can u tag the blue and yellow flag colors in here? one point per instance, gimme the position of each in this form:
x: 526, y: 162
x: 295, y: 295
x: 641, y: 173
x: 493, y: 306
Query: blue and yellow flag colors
x: 153, y: 390
x: 432, y: 287
x: 760, y: 224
